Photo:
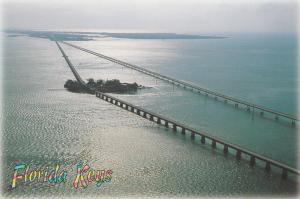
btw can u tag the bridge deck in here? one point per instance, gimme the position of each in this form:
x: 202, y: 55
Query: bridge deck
x: 189, y: 85
x: 75, y: 73
x: 215, y: 140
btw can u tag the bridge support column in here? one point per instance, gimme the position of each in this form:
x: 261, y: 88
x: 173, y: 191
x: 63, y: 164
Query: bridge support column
x: 213, y: 144
x: 236, y: 105
x: 158, y: 120
x: 193, y: 135
x: 225, y: 101
x: 248, y: 108
x: 151, y: 117
x: 203, y: 139
x: 145, y: 115
x: 216, y: 97
x: 138, y: 112
x: 174, y: 127
x: 268, y: 166
x: 252, y: 160
x: 238, y: 154
x: 284, y: 174
x: 166, y: 124
x: 183, y: 130
x: 293, y: 123
x: 132, y: 109
x: 276, y: 117
x: 261, y: 113
x: 225, y: 150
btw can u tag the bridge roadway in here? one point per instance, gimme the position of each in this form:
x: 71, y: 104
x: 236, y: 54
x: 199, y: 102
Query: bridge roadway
x: 167, y: 122
x: 75, y: 73
x: 193, y: 87
x: 154, y: 117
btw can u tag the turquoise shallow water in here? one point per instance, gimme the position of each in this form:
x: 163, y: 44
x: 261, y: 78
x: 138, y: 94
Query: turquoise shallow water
x: 44, y: 124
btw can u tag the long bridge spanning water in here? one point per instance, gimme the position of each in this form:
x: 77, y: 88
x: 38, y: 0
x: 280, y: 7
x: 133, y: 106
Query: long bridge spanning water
x: 175, y: 125
x: 193, y: 87
x: 239, y: 151
x: 75, y: 73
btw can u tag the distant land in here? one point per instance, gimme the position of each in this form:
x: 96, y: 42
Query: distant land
x: 86, y: 36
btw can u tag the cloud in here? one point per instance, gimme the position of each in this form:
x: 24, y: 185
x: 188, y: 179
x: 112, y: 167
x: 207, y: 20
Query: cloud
x: 154, y: 15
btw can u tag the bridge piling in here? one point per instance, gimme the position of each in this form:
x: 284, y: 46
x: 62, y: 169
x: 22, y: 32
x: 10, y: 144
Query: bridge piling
x: 238, y: 154
x: 182, y: 130
x: 225, y: 149
x: 151, y: 117
x: 192, y: 135
x: 174, y: 127
x: 166, y: 124
x: 248, y: 108
x: 203, y: 139
x: 158, y: 120
x: 213, y: 144
x: 252, y: 160
x: 268, y: 166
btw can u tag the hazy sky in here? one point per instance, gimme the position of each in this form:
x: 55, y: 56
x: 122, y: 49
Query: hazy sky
x: 185, y: 16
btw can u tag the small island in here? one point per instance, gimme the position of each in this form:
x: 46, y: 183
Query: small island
x: 109, y: 86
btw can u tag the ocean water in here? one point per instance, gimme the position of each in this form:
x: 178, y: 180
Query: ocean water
x: 45, y: 125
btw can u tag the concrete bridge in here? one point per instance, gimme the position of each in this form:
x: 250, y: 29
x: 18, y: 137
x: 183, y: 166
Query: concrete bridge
x: 215, y: 142
x: 75, y: 73
x: 192, y: 87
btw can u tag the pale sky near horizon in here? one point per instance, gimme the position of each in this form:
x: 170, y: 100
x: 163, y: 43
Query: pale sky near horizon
x: 188, y: 16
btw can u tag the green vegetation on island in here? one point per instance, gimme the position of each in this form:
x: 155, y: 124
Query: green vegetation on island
x: 87, y: 36
x: 109, y: 86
